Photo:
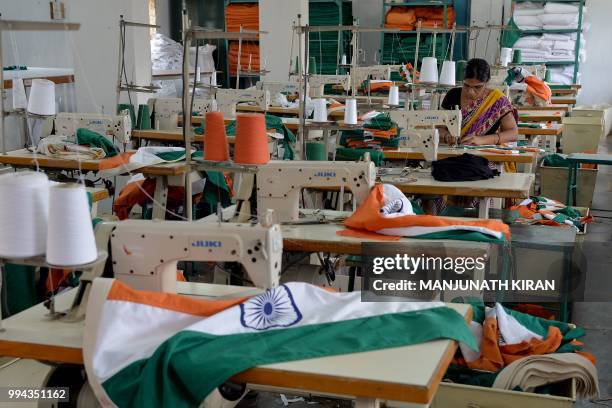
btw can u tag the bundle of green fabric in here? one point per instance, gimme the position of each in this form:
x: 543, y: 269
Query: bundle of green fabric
x: 346, y: 154
x: 324, y: 46
x: 94, y: 139
x: 556, y: 160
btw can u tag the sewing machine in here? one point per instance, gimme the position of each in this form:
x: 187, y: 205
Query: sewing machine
x: 145, y: 253
x: 280, y: 182
x: 360, y: 74
x: 317, y: 83
x: 227, y: 99
x: 167, y: 110
x: 419, y: 128
x: 276, y: 87
x: 116, y: 126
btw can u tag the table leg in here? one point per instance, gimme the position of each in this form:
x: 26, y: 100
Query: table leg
x: 572, y: 184
x: 483, y: 207
x: 160, y: 198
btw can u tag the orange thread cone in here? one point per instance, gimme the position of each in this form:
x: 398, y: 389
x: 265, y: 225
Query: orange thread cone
x: 215, y: 139
x: 251, y: 139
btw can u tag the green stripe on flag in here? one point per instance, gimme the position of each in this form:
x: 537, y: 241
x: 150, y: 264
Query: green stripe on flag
x: 189, y: 365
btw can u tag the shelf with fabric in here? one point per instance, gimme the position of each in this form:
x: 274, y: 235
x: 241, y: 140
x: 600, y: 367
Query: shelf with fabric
x: 245, y: 14
x: 327, y: 48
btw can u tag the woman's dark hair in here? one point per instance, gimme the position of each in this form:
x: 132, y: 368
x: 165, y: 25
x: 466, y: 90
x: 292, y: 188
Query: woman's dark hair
x: 478, y: 69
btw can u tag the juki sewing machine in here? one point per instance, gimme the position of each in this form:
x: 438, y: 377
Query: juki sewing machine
x: 167, y: 110
x: 276, y: 87
x: 419, y: 128
x: 360, y: 74
x: 118, y: 127
x: 280, y: 182
x: 145, y: 253
x: 227, y: 99
x: 317, y: 83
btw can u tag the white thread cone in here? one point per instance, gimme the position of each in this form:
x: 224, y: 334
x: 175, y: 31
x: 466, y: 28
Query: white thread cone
x: 429, y: 70
x: 70, y: 236
x: 24, y: 208
x: 343, y: 60
x: 42, y: 97
x: 505, y: 56
x: 448, y: 73
x: 320, y: 110
x: 350, y: 112
x: 20, y: 101
x: 198, y: 74
x: 393, y: 96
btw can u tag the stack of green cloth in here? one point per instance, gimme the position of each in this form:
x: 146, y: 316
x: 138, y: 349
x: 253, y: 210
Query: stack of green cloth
x: 346, y: 154
x: 362, y: 139
x: 556, y: 160
x: 401, y: 49
x: 323, y: 47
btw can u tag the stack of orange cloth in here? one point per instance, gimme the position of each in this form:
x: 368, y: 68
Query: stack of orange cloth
x: 245, y: 15
x: 249, y: 55
x: 406, y: 18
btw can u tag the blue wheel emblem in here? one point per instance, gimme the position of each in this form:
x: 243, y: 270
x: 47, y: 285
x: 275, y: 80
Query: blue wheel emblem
x: 274, y: 308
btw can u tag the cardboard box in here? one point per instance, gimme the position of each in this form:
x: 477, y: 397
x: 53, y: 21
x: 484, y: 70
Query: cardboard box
x: 596, y: 111
x: 553, y: 184
x: 582, y: 134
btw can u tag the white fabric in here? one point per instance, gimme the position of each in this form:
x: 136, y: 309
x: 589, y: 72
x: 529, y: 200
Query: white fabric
x: 560, y: 26
x: 527, y: 21
x: 560, y: 37
x: 560, y: 19
x: 528, y: 12
x: 510, y: 329
x: 531, y: 41
x: 560, y: 8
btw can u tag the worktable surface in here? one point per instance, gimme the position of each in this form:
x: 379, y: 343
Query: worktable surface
x: 409, y: 373
x: 506, y: 185
x: 555, y: 107
x: 25, y: 158
x: 541, y: 116
x: 554, y: 129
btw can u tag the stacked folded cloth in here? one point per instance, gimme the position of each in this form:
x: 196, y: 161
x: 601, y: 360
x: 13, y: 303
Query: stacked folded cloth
x: 247, y: 16
x: 563, y: 75
x: 401, y: 49
x: 544, y: 211
x: 526, y: 351
x: 550, y: 47
x: 406, y: 18
x: 552, y: 16
x: 378, y: 132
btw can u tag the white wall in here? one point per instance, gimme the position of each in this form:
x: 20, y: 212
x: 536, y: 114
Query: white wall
x: 276, y: 17
x: 597, y: 86
x: 92, y: 51
x: 369, y: 14
x: 162, y: 15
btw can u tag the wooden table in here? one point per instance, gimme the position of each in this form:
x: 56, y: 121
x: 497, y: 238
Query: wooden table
x: 56, y: 75
x: 554, y: 129
x: 555, y: 107
x: 541, y: 116
x: 563, y: 100
x: 409, y: 374
x: 506, y: 185
x: 564, y: 92
x: 161, y: 172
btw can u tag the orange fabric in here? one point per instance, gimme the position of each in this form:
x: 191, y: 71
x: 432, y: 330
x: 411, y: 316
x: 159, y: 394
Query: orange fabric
x: 180, y: 277
x: 380, y: 86
x: 401, y: 17
x: 382, y: 134
x: 251, y: 145
x: 178, y: 303
x: 138, y: 192
x: 406, y: 18
x: 538, y: 88
x: 491, y: 358
x: 549, y: 344
x: 55, y: 278
x: 116, y: 161
x: 248, y: 52
x: 367, y: 217
x: 366, y: 235
x: 245, y: 15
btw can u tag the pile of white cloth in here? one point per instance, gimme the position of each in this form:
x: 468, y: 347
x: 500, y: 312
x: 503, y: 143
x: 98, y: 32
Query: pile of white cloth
x: 552, y: 16
x: 563, y: 75
x: 550, y: 47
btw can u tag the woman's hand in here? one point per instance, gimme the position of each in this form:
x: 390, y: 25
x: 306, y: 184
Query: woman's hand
x: 479, y: 140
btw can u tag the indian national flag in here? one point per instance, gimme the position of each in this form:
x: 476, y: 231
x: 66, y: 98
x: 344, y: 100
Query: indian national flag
x: 388, y: 212
x: 155, y: 349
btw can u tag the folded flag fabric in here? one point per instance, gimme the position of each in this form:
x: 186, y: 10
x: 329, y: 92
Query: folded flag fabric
x: 406, y: 18
x: 245, y: 15
x: 535, y: 371
x: 544, y: 211
x: 196, y: 345
x: 94, y: 139
x: 505, y: 335
x: 387, y: 211
x: 62, y: 147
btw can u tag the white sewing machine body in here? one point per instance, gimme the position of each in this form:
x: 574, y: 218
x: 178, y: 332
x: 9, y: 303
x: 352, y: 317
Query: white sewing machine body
x: 418, y: 129
x: 280, y: 182
x: 227, y: 99
x: 276, y: 87
x: 145, y: 253
x: 379, y: 72
x: 167, y: 110
x: 116, y: 126
x: 317, y: 83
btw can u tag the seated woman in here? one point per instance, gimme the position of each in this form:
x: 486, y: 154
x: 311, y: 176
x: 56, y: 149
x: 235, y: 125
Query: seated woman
x: 488, y: 116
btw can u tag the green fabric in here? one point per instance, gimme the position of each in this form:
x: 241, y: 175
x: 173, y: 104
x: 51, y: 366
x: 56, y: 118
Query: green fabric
x: 463, y: 375
x: 19, y: 289
x: 529, y: 125
x: 128, y: 107
x: 189, y: 365
x: 400, y: 50
x: 416, y: 208
x: 144, y: 117
x: 172, y: 156
x: 556, y: 160
x: 89, y: 137
x: 328, y: 47
x: 215, y: 191
x: 346, y: 154
x: 382, y: 121
x: 461, y: 236
x: 511, y: 35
